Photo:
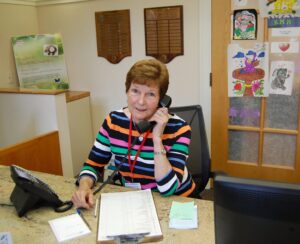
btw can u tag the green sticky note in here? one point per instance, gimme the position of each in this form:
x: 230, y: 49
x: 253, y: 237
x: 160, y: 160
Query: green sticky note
x: 181, y: 210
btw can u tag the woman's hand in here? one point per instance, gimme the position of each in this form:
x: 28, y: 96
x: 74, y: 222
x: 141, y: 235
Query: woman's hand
x: 161, y: 118
x: 83, y: 197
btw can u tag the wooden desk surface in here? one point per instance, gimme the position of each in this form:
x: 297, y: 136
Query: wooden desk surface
x: 34, y: 226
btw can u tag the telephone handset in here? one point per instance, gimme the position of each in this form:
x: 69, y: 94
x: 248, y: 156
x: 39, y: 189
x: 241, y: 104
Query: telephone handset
x: 30, y: 192
x: 146, y: 125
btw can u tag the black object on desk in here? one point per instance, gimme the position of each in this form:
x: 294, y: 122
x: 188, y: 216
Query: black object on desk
x: 256, y: 211
x: 30, y: 192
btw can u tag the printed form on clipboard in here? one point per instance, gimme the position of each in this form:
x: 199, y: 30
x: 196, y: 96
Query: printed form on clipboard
x: 126, y: 216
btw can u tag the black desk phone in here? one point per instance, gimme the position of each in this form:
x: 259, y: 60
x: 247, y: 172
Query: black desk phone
x: 30, y: 192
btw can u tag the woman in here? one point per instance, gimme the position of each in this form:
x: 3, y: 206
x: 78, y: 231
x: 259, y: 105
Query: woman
x: 158, y: 159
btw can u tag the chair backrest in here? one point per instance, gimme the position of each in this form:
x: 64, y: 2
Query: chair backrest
x: 199, y: 158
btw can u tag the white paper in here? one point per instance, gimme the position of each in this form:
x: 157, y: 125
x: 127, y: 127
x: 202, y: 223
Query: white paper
x: 5, y: 238
x: 289, y: 31
x: 284, y: 47
x: 239, y: 3
x: 127, y: 213
x: 185, y: 223
x: 69, y: 227
x: 133, y: 185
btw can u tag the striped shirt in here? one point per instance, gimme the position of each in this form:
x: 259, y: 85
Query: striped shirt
x: 112, y: 140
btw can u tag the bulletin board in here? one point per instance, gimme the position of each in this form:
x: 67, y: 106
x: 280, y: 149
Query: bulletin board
x: 261, y: 133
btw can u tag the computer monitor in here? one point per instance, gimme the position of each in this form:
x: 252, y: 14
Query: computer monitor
x: 255, y: 211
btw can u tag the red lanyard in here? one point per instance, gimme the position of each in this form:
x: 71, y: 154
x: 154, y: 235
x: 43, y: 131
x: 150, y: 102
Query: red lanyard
x: 131, y: 165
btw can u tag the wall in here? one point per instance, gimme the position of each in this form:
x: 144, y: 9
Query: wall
x: 189, y: 74
x: 14, y: 20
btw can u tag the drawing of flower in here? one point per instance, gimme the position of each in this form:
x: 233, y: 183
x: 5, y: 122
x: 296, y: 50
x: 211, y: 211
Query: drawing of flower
x: 258, y: 87
x: 237, y: 86
x: 255, y: 85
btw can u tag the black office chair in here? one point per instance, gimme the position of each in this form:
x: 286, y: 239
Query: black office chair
x: 199, y: 163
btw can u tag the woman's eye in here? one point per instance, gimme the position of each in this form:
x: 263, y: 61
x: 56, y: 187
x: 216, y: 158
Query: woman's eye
x: 151, y: 94
x: 135, y: 91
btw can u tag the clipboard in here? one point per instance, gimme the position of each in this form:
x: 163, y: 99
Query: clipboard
x: 126, y: 215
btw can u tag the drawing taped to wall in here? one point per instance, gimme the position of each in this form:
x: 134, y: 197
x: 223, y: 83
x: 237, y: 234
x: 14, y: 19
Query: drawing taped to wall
x: 245, y: 24
x: 248, y: 70
x: 281, y: 77
x: 283, y: 21
x: 285, y: 47
x: 279, y: 7
x: 239, y: 3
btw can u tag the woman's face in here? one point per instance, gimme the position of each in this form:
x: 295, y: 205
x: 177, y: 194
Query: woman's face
x: 142, y: 101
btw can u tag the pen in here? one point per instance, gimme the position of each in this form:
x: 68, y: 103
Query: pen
x: 96, y: 207
x: 83, y: 218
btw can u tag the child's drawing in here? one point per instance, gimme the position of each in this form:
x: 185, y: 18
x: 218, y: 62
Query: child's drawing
x: 279, y: 7
x: 247, y: 70
x: 281, y: 77
x: 244, y: 24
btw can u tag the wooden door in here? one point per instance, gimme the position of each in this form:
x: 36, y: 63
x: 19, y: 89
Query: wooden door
x: 266, y: 145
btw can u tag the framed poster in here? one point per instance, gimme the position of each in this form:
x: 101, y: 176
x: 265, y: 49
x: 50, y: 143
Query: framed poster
x: 40, y: 61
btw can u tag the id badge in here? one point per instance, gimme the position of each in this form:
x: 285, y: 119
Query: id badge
x: 133, y: 185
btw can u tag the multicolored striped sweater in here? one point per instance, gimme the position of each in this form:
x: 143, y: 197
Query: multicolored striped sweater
x: 112, y: 140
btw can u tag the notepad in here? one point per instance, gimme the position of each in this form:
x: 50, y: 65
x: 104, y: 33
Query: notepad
x: 183, y: 215
x: 69, y: 227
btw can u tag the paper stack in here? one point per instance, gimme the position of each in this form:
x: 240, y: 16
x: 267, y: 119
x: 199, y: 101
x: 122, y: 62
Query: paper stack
x: 183, y: 215
x: 69, y: 227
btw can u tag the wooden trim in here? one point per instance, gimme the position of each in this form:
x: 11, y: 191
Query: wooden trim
x: 76, y: 95
x: 263, y: 130
x: 265, y: 171
x: 243, y: 128
x: 280, y: 131
x: 70, y: 95
x: 31, y: 91
x: 261, y: 133
x: 221, y: 35
x: 37, y: 3
x: 41, y: 153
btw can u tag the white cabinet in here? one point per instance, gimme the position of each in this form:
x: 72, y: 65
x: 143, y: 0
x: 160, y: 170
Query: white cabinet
x: 29, y: 113
x: 80, y: 126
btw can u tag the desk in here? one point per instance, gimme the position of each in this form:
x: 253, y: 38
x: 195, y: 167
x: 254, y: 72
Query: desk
x: 34, y: 226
